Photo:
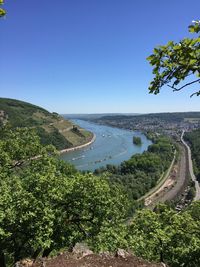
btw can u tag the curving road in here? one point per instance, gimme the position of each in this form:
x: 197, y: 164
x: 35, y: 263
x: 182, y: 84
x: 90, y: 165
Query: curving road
x: 193, y: 177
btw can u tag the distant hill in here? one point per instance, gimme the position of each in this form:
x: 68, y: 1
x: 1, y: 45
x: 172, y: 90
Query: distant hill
x: 153, y: 121
x: 167, y: 116
x: 51, y: 127
x: 95, y: 115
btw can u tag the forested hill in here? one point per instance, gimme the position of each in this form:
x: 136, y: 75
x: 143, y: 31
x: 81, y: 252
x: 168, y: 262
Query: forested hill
x: 51, y: 127
x: 168, y: 116
x: 155, y: 121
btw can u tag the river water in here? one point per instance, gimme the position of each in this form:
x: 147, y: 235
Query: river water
x: 112, y: 146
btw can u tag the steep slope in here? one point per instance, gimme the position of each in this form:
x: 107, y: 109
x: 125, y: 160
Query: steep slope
x: 51, y: 127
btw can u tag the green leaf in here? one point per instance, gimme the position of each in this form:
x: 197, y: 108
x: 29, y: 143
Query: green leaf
x: 2, y: 12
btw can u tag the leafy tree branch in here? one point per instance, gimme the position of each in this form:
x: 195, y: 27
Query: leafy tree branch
x: 2, y: 11
x: 174, y: 62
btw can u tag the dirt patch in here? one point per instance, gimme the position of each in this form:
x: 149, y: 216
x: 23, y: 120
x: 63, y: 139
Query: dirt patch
x: 94, y: 260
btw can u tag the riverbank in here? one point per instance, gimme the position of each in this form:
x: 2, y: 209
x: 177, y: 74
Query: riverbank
x: 78, y: 147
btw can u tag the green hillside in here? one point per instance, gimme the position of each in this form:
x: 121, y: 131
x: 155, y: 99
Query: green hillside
x: 51, y: 127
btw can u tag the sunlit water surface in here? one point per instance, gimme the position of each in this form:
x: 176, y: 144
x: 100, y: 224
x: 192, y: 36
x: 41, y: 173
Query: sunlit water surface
x: 112, y: 146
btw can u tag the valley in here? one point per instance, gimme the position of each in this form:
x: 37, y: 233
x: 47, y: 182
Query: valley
x: 107, y: 185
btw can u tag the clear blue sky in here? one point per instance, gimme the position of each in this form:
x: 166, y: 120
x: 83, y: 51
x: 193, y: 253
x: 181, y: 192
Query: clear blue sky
x: 89, y: 56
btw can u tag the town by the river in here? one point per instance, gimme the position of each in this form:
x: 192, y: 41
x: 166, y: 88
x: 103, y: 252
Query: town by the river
x: 111, y: 146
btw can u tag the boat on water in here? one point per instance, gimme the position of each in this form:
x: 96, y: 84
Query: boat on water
x: 81, y: 157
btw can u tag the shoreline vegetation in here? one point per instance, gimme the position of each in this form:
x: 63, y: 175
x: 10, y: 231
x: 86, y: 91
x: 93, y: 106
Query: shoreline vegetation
x: 67, y: 150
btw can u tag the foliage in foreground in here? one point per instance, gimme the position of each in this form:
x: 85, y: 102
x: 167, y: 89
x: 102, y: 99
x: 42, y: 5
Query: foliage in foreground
x: 2, y: 11
x: 167, y: 236
x: 174, y: 62
x: 46, y: 205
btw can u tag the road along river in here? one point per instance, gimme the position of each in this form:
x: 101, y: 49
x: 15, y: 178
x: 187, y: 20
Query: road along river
x: 111, y: 146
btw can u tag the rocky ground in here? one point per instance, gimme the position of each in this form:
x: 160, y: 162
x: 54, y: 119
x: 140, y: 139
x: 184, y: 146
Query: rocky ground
x: 86, y: 258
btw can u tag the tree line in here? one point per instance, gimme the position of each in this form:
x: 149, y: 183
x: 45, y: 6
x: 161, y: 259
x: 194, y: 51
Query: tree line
x: 45, y: 204
x: 193, y: 138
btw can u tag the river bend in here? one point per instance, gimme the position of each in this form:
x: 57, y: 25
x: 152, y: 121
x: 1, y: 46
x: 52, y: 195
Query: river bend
x: 112, y: 146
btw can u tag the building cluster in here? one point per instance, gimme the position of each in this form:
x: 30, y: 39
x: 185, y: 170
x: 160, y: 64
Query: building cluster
x: 153, y: 124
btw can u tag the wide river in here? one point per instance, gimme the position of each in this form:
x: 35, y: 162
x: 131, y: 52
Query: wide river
x: 112, y: 146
